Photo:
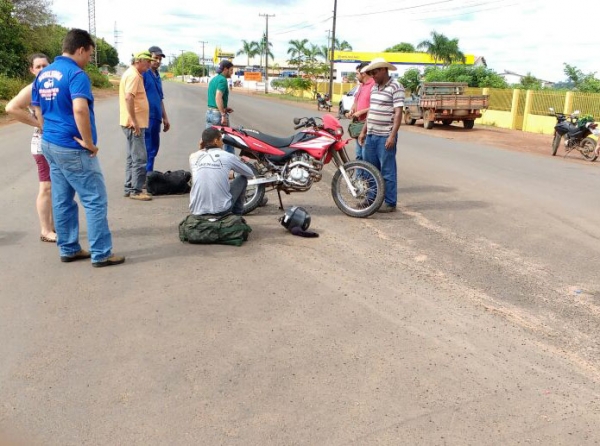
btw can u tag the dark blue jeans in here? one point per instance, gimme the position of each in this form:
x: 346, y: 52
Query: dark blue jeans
x: 152, y: 142
x: 374, y: 152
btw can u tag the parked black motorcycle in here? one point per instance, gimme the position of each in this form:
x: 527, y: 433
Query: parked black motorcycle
x: 323, y: 102
x: 576, y: 132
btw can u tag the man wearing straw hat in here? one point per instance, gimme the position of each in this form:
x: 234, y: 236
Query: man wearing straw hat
x: 379, y: 136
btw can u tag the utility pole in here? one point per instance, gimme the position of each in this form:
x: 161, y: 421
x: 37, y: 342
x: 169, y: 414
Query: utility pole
x: 328, y: 44
x: 204, y: 73
x: 332, y: 52
x: 92, y: 26
x: 266, y: 16
x: 182, y: 67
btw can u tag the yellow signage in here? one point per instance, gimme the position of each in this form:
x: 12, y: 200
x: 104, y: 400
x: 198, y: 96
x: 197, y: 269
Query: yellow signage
x: 399, y: 58
x: 219, y: 55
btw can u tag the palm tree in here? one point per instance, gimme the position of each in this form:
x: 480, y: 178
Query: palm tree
x: 297, y: 50
x: 324, y: 52
x: 442, y: 49
x: 342, y: 46
x: 250, y: 49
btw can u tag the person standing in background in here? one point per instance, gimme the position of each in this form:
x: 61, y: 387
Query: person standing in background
x: 360, y: 107
x: 218, y: 99
x: 158, y: 114
x: 19, y: 108
x: 134, y: 120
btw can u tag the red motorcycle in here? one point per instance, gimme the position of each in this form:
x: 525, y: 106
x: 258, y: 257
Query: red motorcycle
x: 294, y: 163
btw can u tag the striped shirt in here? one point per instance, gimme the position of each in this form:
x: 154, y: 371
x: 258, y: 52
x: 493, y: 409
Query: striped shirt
x: 384, y: 100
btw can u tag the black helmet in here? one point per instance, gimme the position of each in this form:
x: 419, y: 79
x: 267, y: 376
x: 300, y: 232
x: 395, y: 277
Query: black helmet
x: 295, y: 217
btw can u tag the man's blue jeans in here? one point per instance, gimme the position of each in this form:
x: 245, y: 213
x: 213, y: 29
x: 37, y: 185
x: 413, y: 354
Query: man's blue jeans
x: 75, y: 171
x: 152, y: 142
x: 359, y: 151
x: 374, y: 152
x: 135, y: 164
x: 213, y: 117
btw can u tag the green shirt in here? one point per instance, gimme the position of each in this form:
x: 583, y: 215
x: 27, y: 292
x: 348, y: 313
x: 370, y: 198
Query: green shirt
x: 219, y: 82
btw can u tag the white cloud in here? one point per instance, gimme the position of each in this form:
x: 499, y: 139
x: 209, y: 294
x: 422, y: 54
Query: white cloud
x: 523, y: 37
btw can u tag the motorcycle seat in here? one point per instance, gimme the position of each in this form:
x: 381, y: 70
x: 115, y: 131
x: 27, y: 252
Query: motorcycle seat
x: 274, y: 141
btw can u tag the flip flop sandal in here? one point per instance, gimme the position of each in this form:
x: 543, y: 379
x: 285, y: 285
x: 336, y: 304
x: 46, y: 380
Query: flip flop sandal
x: 43, y: 238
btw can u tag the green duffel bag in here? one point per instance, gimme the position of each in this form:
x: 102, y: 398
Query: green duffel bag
x: 355, y: 127
x: 229, y: 229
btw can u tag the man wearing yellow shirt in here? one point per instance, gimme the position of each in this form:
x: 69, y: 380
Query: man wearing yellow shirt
x: 134, y: 120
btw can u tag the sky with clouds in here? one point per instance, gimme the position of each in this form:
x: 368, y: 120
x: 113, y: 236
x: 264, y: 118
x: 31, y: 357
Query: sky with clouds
x: 533, y: 36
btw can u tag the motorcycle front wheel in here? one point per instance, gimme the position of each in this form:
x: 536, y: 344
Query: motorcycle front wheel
x: 254, y: 194
x: 369, y: 185
x: 555, y: 143
x: 588, y: 149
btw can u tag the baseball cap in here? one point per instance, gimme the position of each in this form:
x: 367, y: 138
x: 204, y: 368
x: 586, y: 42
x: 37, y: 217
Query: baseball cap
x: 144, y: 55
x: 156, y: 50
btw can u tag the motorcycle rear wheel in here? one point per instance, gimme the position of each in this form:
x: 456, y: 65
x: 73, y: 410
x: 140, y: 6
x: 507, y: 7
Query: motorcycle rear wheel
x: 254, y: 194
x: 588, y: 148
x: 370, y: 187
x: 555, y: 143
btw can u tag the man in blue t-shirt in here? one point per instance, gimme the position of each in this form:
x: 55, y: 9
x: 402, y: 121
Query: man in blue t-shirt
x: 158, y: 114
x: 64, y: 104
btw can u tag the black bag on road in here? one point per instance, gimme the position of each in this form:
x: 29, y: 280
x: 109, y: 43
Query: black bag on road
x: 168, y: 183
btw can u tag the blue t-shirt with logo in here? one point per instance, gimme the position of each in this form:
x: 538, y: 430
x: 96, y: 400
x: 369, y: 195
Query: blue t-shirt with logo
x: 154, y: 92
x: 53, y: 91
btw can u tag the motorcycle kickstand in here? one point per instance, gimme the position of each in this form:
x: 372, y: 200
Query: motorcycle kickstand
x: 280, y: 202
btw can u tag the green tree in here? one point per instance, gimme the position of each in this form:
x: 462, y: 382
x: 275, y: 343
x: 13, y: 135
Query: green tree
x: 48, y: 39
x: 106, y: 53
x: 33, y: 13
x: 401, y: 47
x: 530, y: 82
x: 411, y: 79
x: 587, y: 83
x: 474, y: 76
x: 250, y: 49
x: 186, y: 63
x: 342, y: 46
x: 13, y: 49
x: 297, y: 51
x: 442, y: 49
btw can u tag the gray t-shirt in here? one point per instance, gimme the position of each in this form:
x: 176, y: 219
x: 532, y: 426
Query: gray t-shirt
x: 210, y: 180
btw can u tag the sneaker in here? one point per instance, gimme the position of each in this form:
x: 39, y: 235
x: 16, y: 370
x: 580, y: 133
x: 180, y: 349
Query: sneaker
x: 79, y: 255
x: 386, y: 208
x: 112, y: 260
x: 126, y: 194
x: 141, y: 196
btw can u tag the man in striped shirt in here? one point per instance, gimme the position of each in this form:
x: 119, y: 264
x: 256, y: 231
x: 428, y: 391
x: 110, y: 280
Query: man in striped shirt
x: 380, y: 135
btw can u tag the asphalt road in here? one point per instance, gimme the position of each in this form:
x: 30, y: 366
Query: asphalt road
x: 471, y: 316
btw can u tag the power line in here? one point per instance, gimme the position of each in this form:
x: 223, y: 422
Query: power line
x: 311, y: 25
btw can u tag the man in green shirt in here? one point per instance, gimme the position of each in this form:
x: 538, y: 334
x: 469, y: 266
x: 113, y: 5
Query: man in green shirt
x: 218, y: 97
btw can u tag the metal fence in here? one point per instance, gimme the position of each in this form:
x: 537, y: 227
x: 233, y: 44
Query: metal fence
x: 500, y: 99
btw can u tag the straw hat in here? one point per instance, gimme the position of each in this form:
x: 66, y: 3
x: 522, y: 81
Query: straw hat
x: 378, y: 62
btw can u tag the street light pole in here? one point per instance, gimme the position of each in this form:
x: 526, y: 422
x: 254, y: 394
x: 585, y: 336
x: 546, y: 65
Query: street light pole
x: 266, y: 16
x: 182, y: 67
x: 203, y: 68
x: 332, y: 52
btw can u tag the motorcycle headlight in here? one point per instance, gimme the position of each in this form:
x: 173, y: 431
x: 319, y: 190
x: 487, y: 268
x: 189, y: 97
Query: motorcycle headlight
x: 339, y: 131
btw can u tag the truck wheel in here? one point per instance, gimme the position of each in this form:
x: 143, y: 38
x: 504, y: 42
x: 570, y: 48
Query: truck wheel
x: 427, y: 121
x: 408, y: 119
x: 447, y: 122
x: 469, y: 123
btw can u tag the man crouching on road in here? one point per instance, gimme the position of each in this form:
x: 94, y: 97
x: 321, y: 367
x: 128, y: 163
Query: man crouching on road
x: 212, y: 193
